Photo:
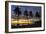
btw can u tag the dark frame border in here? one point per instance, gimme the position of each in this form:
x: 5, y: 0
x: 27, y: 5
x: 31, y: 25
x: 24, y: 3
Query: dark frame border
x: 6, y: 16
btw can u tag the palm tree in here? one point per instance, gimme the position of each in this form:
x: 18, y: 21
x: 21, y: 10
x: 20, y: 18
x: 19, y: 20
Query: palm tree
x: 17, y: 11
x: 26, y: 13
x: 37, y: 14
x: 30, y: 14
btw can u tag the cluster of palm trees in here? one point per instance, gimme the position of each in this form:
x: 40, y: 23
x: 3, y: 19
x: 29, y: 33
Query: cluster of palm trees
x: 17, y: 12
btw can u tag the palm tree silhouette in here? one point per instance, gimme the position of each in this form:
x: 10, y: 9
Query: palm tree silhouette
x: 26, y: 13
x: 30, y: 14
x: 17, y: 11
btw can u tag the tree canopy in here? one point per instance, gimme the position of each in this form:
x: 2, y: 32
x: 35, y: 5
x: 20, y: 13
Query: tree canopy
x: 17, y: 11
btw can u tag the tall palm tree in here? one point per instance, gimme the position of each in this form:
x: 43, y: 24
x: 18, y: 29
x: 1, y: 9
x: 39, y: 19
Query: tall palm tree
x: 37, y: 14
x: 26, y: 13
x: 17, y: 11
x: 30, y: 14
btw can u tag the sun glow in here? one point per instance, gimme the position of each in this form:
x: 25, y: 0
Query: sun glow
x: 22, y: 21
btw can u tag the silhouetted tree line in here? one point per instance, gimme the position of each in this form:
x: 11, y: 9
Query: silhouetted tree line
x: 18, y: 12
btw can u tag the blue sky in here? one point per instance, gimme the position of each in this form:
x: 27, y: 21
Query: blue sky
x: 34, y: 9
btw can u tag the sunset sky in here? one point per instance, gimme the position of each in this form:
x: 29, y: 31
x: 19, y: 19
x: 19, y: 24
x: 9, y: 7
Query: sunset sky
x: 34, y: 9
